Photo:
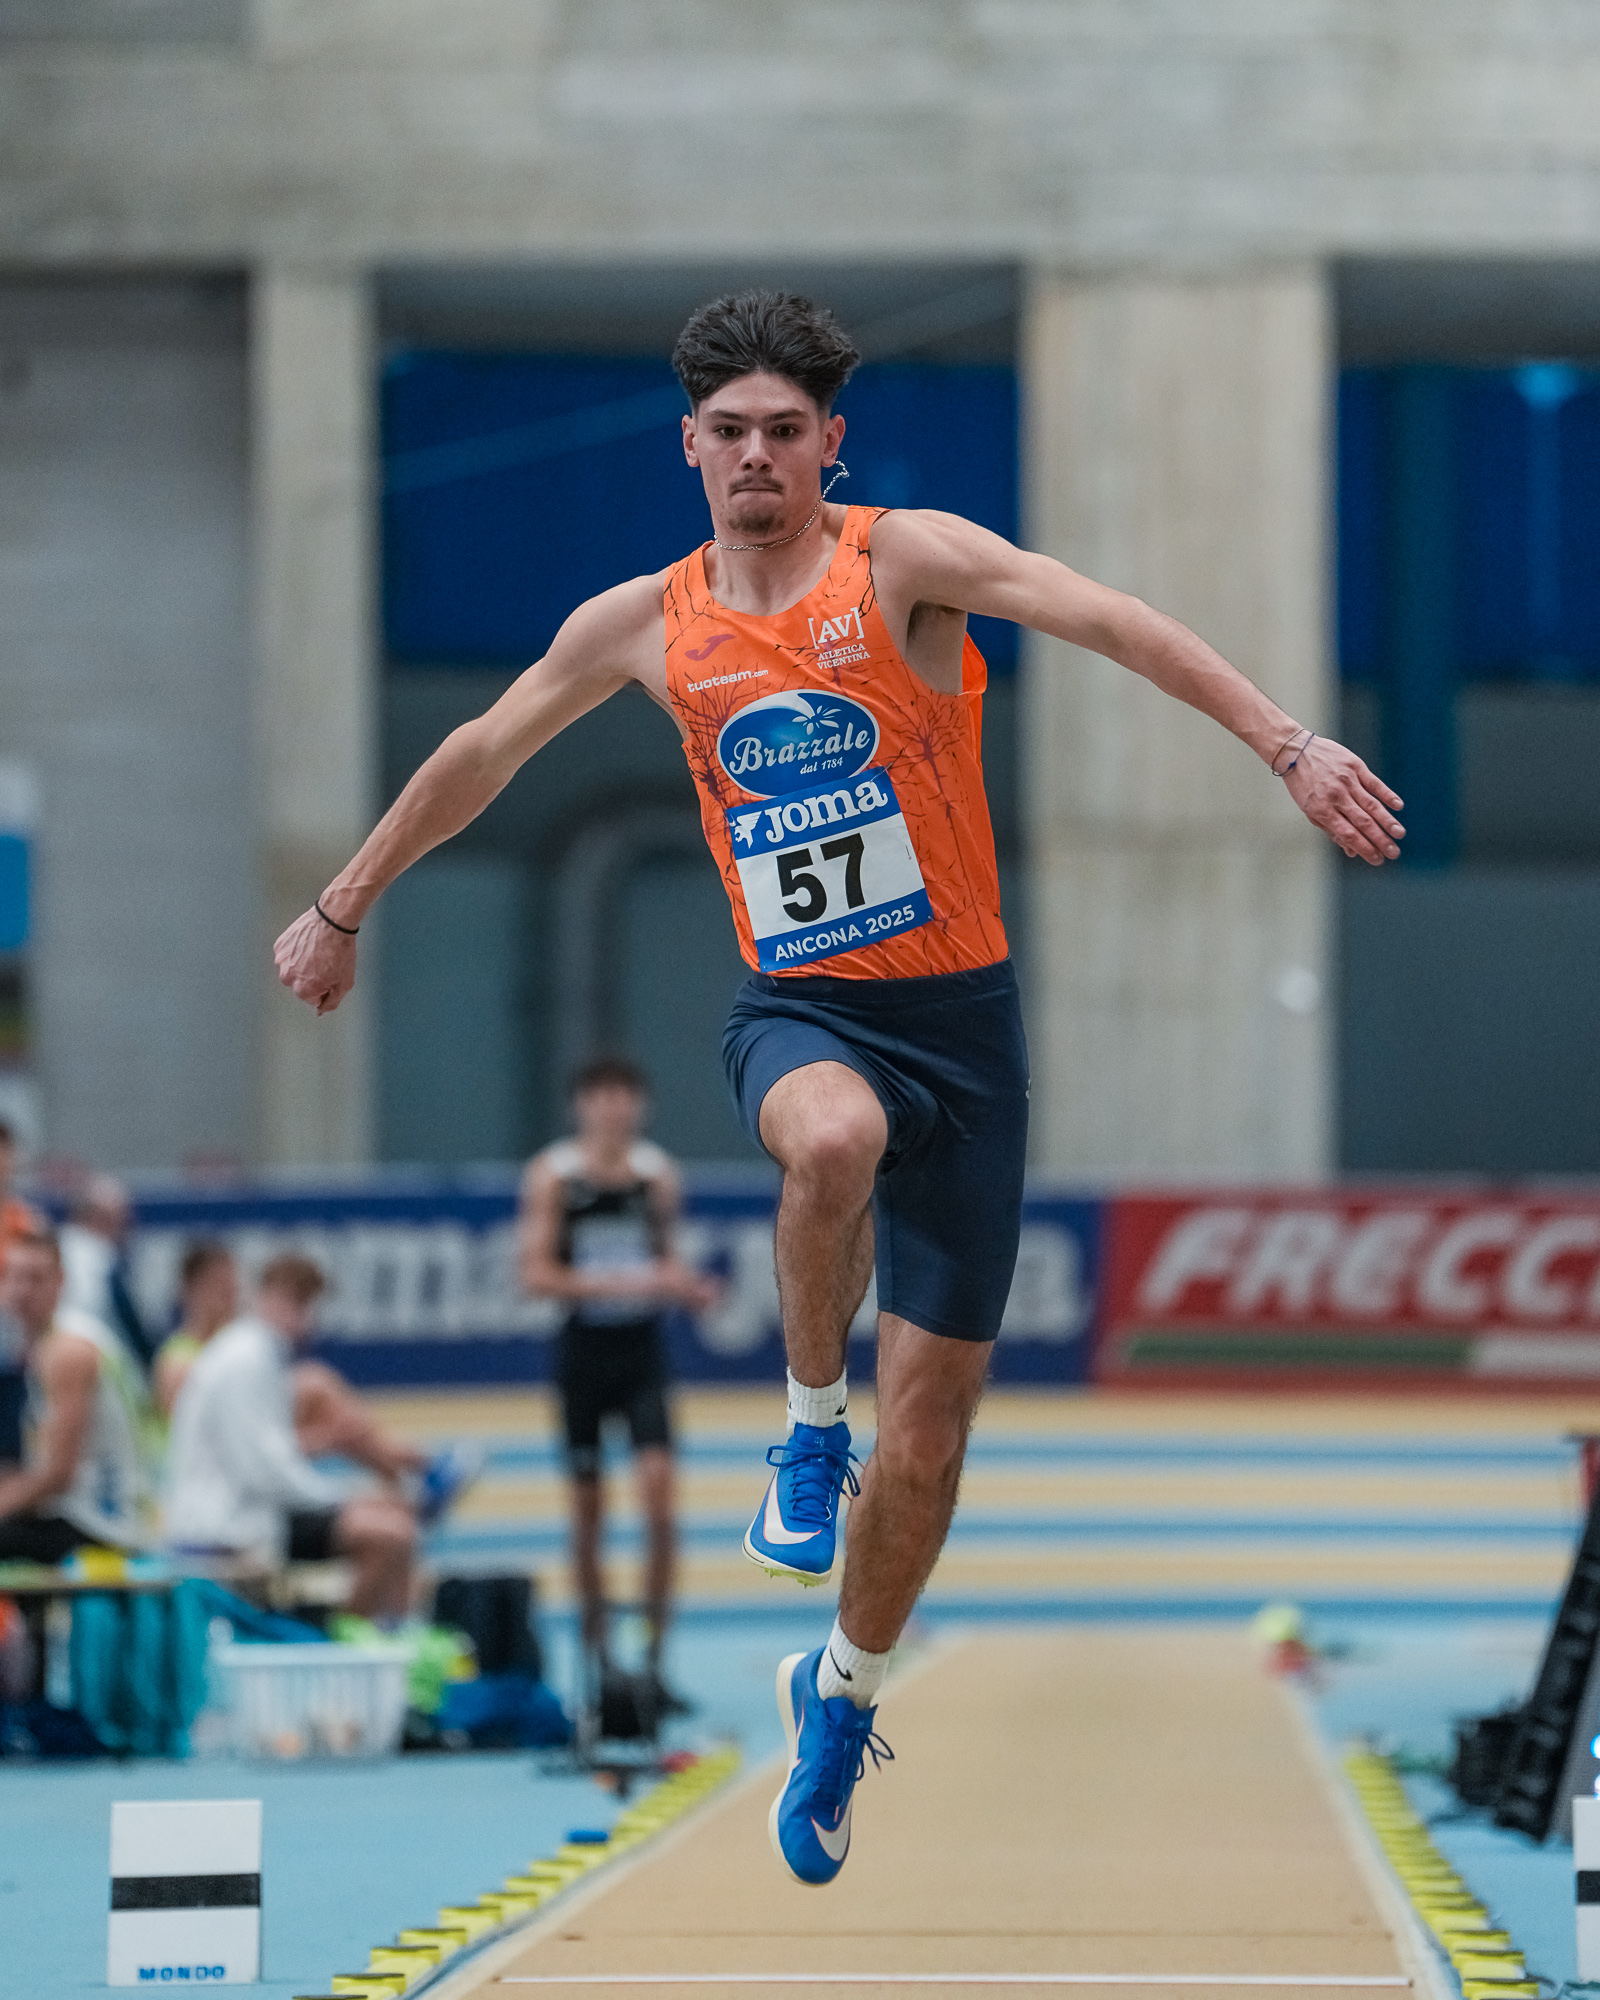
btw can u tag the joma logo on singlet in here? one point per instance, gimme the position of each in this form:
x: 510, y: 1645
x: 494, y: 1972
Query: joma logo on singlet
x: 836, y: 631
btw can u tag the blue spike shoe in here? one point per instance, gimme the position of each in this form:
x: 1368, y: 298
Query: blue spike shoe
x: 829, y: 1743
x: 795, y: 1531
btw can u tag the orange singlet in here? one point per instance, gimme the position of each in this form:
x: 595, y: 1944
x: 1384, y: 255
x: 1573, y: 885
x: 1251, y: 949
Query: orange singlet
x: 842, y: 797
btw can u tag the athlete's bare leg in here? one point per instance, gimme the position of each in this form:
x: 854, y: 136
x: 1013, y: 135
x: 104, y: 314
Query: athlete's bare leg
x: 588, y: 1581
x: 330, y: 1417
x: 826, y: 1129
x: 379, y: 1537
x: 928, y: 1389
x: 656, y: 1504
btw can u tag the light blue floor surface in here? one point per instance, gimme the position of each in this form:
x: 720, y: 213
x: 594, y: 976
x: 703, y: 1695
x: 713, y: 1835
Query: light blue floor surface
x: 1402, y: 1684
x: 352, y: 1851
x: 355, y: 1851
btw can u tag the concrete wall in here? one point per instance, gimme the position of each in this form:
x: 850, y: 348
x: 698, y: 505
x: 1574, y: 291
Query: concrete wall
x: 1175, y: 446
x: 1179, y: 177
x: 125, y: 681
x: 1181, y: 132
x: 1467, y: 1030
x: 618, y: 771
x: 315, y: 739
x: 1466, y: 994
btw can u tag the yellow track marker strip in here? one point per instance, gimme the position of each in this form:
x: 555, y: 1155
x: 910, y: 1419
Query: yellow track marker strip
x: 423, y: 1952
x: 1486, y: 1962
x: 1301, y: 1979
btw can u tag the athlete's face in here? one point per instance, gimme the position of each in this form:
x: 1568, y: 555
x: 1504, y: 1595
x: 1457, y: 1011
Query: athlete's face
x: 295, y: 1318
x: 608, y: 1114
x: 211, y: 1297
x: 30, y: 1288
x: 760, y: 444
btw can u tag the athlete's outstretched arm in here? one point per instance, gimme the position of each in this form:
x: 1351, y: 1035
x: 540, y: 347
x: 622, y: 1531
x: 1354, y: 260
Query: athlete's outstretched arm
x: 592, y: 656
x: 942, y: 559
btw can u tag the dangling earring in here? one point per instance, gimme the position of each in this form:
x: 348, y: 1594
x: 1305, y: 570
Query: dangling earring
x: 841, y: 471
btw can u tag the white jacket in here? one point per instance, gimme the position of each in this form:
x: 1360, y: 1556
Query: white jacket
x: 234, y: 1470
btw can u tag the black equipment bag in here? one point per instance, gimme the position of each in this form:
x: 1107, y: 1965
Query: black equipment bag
x: 1483, y: 1744
x: 498, y: 1614
x: 629, y: 1705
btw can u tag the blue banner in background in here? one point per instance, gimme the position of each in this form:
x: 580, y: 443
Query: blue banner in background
x: 423, y: 1288
x: 488, y: 455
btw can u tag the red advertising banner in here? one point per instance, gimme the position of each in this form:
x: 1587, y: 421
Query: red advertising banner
x: 1355, y: 1288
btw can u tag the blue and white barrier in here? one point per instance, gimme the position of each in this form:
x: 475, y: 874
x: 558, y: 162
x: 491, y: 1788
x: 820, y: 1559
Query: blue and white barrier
x: 423, y: 1278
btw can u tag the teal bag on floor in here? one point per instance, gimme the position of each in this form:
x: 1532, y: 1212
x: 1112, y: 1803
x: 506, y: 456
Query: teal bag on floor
x: 138, y: 1662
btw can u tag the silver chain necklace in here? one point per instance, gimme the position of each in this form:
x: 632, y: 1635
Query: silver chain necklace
x: 747, y: 548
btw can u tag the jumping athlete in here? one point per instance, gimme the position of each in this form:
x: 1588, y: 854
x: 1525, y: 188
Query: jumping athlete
x: 815, y: 659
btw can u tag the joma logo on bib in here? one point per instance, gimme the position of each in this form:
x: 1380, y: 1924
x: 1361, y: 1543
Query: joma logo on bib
x: 790, y: 742
x: 772, y: 825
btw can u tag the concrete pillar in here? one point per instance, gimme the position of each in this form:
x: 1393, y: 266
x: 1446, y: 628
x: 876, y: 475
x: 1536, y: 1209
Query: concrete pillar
x: 1176, y: 445
x: 313, y: 392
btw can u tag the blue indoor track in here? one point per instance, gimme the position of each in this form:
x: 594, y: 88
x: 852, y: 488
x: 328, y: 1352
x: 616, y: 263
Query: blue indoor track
x: 1427, y: 1545
x: 352, y: 1851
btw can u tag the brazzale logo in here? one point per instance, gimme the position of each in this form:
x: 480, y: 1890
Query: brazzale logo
x: 787, y: 741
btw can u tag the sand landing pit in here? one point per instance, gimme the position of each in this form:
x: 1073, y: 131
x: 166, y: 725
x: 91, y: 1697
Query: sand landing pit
x: 1129, y: 1807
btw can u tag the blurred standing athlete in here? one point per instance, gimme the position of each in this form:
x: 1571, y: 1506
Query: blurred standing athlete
x: 598, y: 1215
x: 816, y: 661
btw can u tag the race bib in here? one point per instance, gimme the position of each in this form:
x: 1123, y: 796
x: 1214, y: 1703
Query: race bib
x: 827, y: 870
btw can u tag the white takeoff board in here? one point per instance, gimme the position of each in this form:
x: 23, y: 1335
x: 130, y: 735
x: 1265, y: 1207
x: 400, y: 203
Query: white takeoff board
x: 185, y: 1893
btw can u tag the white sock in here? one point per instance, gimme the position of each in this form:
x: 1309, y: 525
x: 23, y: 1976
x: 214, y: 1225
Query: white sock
x: 845, y: 1669
x: 821, y: 1407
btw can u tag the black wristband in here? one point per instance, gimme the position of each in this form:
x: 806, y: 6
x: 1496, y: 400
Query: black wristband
x: 344, y: 928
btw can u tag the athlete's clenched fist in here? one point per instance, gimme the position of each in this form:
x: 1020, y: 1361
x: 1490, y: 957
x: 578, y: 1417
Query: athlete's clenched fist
x: 316, y: 962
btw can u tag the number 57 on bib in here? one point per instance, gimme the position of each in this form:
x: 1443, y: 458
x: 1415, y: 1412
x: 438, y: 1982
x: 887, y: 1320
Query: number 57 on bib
x: 827, y: 870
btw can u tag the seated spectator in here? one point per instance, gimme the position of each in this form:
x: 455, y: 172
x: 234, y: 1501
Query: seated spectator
x: 237, y: 1479
x: 330, y: 1418
x: 208, y: 1298
x: 85, y: 1482
x: 94, y: 1250
x: 17, y: 1218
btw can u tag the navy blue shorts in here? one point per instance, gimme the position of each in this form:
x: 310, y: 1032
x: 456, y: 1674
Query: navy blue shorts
x: 946, y: 1058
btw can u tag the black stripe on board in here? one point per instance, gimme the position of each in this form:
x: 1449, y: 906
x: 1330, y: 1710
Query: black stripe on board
x: 186, y: 1892
x: 1589, y: 1885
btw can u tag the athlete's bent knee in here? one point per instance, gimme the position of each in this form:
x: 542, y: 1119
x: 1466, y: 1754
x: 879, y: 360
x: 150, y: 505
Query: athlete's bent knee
x: 375, y: 1527
x: 838, y: 1150
x: 822, y: 1123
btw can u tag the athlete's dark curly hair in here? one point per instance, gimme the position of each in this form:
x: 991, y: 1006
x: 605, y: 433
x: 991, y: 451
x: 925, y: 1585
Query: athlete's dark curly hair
x: 764, y: 333
x: 609, y: 1073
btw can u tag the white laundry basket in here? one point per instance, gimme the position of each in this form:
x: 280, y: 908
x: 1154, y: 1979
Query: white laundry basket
x: 310, y: 1701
